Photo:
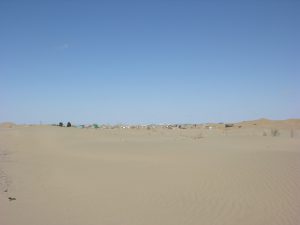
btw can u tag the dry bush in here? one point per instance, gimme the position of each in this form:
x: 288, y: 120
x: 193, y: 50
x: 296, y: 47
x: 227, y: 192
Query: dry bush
x: 275, y: 132
x: 198, y: 136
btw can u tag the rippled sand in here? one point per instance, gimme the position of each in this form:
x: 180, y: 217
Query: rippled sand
x: 73, y: 176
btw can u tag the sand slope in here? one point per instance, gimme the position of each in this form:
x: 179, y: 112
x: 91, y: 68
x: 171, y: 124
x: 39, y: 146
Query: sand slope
x: 196, y: 176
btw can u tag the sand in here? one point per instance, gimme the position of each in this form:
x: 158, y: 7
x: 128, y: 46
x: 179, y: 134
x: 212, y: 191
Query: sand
x: 213, y: 176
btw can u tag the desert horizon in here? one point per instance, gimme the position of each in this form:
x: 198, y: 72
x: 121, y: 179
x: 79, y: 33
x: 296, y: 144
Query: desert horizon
x: 259, y: 121
x: 149, y: 112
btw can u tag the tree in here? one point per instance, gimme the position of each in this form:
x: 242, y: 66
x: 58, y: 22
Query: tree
x: 69, y: 124
x: 61, y: 124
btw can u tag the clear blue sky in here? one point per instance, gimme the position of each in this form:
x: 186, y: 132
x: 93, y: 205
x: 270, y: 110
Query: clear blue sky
x: 149, y: 61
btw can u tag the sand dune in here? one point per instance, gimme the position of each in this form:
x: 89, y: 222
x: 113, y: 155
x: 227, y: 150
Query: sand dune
x: 158, y: 176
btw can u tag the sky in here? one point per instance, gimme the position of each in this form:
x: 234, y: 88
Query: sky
x: 143, y: 62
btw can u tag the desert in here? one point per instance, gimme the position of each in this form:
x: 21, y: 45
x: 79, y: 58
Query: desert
x: 247, y: 173
x: 149, y: 112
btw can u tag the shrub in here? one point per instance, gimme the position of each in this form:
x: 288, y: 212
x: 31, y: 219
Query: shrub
x: 69, y: 124
x: 275, y: 132
x: 61, y: 124
x: 199, y: 136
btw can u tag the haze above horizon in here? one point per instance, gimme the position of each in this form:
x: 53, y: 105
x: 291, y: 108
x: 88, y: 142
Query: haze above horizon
x: 149, y: 61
